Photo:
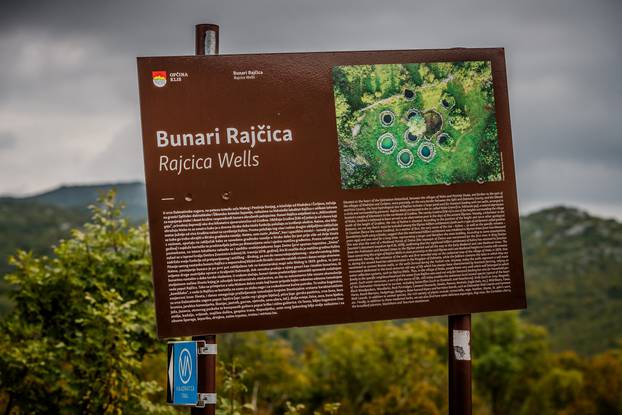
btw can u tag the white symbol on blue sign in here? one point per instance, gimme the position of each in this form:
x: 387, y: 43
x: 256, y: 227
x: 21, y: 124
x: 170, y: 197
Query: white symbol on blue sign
x: 183, y: 373
x: 185, y: 366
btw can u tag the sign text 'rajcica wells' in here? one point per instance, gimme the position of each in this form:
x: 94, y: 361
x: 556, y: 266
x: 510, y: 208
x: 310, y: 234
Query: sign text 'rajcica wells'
x: 248, y: 138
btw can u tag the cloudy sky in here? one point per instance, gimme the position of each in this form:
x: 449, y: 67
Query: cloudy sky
x: 68, y: 89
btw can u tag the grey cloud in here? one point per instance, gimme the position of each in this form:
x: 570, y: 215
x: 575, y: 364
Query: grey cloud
x: 7, y: 140
x: 562, y: 179
x: 123, y: 155
x: 563, y: 62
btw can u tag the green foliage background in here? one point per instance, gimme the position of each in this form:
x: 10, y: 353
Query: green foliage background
x: 80, y: 337
x: 574, y: 266
x: 82, y: 323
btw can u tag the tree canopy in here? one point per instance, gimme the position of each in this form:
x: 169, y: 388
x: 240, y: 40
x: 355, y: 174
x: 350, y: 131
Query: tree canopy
x: 82, y: 323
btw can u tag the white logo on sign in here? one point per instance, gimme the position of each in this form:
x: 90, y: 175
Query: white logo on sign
x: 185, y: 366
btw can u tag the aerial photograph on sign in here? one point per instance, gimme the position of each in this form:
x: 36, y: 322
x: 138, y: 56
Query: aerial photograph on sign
x: 416, y: 124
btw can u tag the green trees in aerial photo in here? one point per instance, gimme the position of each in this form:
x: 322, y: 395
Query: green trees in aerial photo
x: 416, y: 124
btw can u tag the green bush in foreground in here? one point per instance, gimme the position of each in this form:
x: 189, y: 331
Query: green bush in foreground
x: 82, y: 323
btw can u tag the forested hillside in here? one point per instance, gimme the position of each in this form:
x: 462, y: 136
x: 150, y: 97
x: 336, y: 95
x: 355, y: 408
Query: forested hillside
x: 35, y: 223
x: 573, y: 263
x: 81, y: 196
x: 35, y: 226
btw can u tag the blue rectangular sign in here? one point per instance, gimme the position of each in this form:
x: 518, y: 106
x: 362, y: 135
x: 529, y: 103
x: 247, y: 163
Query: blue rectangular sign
x: 182, y: 374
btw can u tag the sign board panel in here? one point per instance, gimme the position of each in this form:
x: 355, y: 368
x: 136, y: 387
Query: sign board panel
x: 182, y: 385
x: 319, y: 188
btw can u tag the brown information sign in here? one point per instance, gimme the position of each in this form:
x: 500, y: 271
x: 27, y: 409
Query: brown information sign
x: 318, y: 188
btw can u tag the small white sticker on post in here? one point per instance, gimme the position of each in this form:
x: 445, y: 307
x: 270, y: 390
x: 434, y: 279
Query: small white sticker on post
x: 462, y: 344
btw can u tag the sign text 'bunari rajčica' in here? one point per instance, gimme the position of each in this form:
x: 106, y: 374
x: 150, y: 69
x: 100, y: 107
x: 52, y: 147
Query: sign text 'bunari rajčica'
x: 246, y: 139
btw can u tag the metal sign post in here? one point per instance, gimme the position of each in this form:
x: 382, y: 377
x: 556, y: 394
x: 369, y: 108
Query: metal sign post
x: 206, y: 39
x: 459, y: 330
x: 206, y: 376
x: 206, y: 43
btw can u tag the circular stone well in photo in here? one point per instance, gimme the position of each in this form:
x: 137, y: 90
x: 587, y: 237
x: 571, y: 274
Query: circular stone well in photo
x: 386, y: 143
x: 443, y: 140
x: 409, y: 94
x: 411, y: 113
x: 426, y: 152
x: 387, y: 118
x: 405, y: 158
x: 448, y: 102
x: 410, y: 138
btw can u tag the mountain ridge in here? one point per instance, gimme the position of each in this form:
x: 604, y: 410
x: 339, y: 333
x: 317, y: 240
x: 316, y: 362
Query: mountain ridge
x: 133, y: 194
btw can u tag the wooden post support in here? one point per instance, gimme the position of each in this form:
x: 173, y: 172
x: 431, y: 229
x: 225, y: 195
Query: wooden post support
x: 459, y: 330
x: 206, y: 43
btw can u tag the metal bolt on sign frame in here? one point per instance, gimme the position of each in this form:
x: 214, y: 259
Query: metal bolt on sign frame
x: 206, y: 43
